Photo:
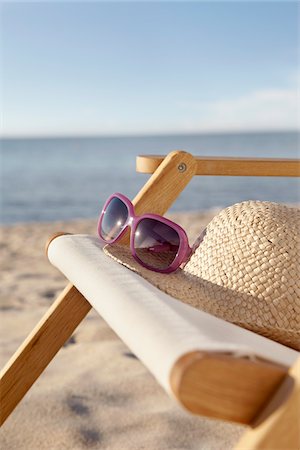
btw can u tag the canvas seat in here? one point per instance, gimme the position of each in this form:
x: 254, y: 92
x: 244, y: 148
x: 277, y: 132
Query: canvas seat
x: 159, y: 329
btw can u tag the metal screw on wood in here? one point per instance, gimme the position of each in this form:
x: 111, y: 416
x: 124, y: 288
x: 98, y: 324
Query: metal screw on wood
x: 181, y: 167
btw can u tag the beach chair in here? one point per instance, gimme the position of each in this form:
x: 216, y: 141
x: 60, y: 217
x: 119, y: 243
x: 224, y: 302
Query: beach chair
x: 212, y: 367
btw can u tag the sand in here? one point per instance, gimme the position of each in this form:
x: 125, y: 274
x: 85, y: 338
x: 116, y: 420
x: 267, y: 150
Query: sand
x: 95, y: 393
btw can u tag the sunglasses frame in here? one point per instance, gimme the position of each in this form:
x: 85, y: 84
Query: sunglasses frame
x: 184, y: 250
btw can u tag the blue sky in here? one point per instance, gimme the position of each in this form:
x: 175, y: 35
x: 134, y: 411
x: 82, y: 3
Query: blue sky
x: 112, y: 68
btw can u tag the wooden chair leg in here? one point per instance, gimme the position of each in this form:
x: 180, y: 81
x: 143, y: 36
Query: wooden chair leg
x: 277, y: 427
x: 40, y: 347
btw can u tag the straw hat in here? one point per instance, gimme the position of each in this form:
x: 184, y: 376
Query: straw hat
x: 245, y: 270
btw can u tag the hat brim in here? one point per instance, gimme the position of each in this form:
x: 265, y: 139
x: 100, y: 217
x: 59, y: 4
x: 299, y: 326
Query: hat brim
x: 236, y: 307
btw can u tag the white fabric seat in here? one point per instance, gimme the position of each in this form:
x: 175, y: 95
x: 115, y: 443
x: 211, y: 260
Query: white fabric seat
x: 156, y: 327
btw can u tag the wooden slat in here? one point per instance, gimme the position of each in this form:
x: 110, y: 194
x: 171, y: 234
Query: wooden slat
x: 224, y: 387
x: 278, y: 424
x: 40, y: 347
x: 207, y: 165
x: 168, y: 181
x: 164, y: 186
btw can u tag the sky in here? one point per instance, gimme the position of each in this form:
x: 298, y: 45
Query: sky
x: 126, y: 68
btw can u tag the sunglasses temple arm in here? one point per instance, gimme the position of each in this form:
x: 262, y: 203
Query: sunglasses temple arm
x: 188, y: 254
x: 198, y: 241
x: 192, y: 250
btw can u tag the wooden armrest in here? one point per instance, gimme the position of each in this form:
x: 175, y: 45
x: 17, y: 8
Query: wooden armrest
x: 208, y: 165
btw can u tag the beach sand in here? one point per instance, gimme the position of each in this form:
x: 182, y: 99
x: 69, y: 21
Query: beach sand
x: 95, y: 393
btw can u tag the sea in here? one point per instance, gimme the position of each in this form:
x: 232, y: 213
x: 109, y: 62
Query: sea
x: 49, y: 179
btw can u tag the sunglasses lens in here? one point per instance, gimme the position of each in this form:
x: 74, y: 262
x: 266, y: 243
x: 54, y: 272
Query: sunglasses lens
x: 156, y: 244
x: 114, y: 219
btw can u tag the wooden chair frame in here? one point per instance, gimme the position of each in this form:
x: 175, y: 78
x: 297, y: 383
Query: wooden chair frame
x: 274, y: 414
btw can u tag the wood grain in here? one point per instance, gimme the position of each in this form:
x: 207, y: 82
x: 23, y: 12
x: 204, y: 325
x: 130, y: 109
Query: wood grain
x: 277, y: 427
x: 230, y: 166
x: 40, y: 347
x: 224, y: 387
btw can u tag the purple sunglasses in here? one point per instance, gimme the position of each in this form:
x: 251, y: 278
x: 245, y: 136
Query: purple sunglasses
x: 155, y: 242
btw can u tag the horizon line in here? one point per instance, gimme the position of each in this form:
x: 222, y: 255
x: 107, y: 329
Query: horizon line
x: 144, y: 135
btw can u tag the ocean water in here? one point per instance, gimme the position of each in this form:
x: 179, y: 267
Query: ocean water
x: 56, y: 179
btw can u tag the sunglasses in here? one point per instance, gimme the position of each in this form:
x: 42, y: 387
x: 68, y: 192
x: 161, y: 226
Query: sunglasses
x: 155, y: 242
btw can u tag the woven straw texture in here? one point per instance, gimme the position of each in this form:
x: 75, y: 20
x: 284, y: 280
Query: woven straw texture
x: 246, y: 270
